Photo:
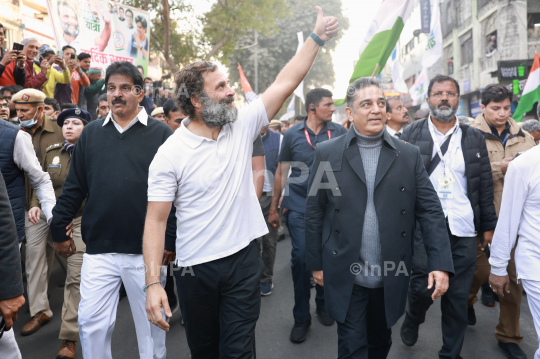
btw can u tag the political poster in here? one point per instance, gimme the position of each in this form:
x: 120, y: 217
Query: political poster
x: 107, y: 30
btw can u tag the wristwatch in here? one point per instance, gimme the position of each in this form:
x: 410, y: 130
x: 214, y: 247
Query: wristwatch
x: 317, y: 39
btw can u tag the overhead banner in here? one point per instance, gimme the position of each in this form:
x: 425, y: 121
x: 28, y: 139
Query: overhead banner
x: 107, y: 30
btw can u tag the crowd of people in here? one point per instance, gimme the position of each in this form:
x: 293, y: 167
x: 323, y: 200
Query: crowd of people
x: 385, y: 214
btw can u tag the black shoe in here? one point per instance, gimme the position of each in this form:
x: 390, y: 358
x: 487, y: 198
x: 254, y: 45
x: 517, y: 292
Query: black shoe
x: 299, y: 332
x: 512, y: 350
x: 409, y: 331
x: 471, y: 316
x: 324, y: 318
x: 488, y: 296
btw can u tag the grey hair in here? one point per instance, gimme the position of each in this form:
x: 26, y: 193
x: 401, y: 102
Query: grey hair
x: 531, y: 125
x: 359, y: 84
x: 27, y: 40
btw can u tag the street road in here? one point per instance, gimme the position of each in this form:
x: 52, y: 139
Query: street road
x: 274, y: 326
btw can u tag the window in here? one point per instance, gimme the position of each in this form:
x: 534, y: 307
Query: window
x: 449, y: 59
x: 533, y: 25
x: 466, y: 48
x: 491, y: 41
x: 408, y: 47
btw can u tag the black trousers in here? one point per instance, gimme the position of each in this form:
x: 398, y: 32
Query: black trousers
x: 454, y: 301
x: 220, y: 303
x: 364, y: 333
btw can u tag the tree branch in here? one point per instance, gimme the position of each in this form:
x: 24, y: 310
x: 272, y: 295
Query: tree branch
x: 167, y: 36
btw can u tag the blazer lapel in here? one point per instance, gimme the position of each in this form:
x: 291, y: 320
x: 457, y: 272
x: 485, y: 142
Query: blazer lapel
x: 352, y: 154
x: 386, y: 158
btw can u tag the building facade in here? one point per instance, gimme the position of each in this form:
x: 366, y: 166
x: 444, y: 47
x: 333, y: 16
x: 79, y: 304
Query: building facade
x: 484, y: 42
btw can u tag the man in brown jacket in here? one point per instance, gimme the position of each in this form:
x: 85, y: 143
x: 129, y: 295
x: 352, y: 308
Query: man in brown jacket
x: 30, y: 107
x: 504, y: 140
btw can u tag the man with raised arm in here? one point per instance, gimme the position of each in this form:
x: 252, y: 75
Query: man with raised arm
x: 218, y: 214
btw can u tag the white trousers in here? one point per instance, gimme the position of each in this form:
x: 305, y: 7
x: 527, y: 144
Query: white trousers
x: 8, y: 346
x: 101, y: 276
x: 533, y: 297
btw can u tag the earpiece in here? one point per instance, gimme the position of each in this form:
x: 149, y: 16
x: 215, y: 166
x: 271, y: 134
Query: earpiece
x: 312, y: 108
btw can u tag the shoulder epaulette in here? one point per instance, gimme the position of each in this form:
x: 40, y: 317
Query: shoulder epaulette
x: 52, y: 147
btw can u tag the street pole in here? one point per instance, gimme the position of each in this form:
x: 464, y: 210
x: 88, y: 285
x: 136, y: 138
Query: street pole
x: 256, y: 64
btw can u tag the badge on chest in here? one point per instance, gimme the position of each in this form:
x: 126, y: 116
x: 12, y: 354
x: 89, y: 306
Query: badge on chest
x: 446, y: 186
x: 55, y: 163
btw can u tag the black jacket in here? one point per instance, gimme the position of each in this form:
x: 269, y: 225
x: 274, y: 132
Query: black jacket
x: 334, y: 219
x: 11, y: 284
x: 477, y: 169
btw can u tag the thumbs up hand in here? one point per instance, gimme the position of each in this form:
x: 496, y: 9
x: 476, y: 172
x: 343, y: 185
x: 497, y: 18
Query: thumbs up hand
x: 326, y: 27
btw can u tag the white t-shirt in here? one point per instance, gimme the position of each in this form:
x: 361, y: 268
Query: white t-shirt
x: 211, y: 184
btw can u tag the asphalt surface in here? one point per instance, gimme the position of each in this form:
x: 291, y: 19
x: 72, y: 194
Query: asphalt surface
x: 274, y: 325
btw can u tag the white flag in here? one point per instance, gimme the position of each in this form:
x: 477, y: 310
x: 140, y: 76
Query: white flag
x: 290, y: 111
x: 397, y: 72
x: 418, y: 90
x: 300, y: 89
x: 434, y: 47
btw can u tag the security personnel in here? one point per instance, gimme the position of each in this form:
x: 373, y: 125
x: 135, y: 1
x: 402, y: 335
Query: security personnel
x: 56, y: 163
x: 30, y: 107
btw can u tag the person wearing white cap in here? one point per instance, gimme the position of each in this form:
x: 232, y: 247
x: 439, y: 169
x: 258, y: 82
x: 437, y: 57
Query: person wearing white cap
x: 158, y: 114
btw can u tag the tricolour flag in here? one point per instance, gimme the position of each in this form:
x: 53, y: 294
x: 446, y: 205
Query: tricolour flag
x: 382, y: 37
x: 531, y: 92
x: 434, y: 46
x: 290, y: 111
x: 248, y: 91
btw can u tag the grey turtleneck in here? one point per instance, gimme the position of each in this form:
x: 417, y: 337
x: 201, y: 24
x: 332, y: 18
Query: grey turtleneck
x: 370, y: 247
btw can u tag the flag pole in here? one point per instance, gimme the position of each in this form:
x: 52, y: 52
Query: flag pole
x: 375, y: 71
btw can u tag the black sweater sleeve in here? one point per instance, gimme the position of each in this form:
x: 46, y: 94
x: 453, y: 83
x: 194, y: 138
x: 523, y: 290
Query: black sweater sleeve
x: 11, y: 283
x: 74, y: 192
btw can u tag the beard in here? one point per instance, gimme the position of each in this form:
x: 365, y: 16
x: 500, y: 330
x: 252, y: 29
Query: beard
x: 217, y: 114
x: 444, y: 115
x: 68, y: 31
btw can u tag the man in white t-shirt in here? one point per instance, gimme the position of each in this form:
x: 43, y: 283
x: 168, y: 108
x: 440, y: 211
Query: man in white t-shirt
x: 217, y: 211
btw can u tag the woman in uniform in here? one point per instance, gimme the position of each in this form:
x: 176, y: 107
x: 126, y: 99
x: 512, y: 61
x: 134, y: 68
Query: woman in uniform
x: 56, y: 162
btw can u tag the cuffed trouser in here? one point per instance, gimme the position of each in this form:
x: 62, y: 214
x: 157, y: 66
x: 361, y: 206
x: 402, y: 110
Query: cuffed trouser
x: 101, y: 277
x: 533, y: 298
x: 364, y: 333
x: 268, y: 242
x: 39, y: 261
x: 507, y: 331
x: 454, y: 301
x: 69, y: 330
x: 301, y: 276
x: 9, y: 349
x: 220, y: 302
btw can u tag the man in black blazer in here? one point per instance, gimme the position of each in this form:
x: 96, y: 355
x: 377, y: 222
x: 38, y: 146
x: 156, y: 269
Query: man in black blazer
x: 366, y: 191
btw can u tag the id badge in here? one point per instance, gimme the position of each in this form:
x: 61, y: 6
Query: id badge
x: 445, y: 181
x: 446, y: 186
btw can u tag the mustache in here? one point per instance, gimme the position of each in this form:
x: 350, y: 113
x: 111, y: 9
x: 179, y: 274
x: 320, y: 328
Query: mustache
x: 444, y: 103
x: 118, y: 100
x: 227, y: 100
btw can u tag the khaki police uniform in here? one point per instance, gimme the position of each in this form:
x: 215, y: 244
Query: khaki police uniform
x: 56, y: 163
x: 39, y: 248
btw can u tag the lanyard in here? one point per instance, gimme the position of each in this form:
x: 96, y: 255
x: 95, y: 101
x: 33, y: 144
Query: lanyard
x: 438, y: 147
x: 309, y: 140
x: 505, y: 138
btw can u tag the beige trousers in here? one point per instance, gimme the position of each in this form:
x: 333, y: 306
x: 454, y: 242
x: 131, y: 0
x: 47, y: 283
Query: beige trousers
x: 69, y: 330
x: 39, y: 261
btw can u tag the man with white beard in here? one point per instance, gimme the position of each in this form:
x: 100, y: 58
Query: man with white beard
x: 457, y: 162
x: 205, y: 168
x: 520, y: 216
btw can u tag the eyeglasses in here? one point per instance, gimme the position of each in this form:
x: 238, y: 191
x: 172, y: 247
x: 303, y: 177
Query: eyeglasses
x: 4, y: 105
x: 441, y: 94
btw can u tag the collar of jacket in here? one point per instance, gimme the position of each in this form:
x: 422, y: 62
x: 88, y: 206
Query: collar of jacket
x: 481, y: 124
x: 350, y: 140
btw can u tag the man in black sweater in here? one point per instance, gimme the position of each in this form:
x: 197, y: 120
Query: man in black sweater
x: 109, y: 167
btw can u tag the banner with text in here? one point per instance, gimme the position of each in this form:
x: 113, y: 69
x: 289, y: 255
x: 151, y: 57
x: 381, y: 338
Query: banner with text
x: 107, y: 30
